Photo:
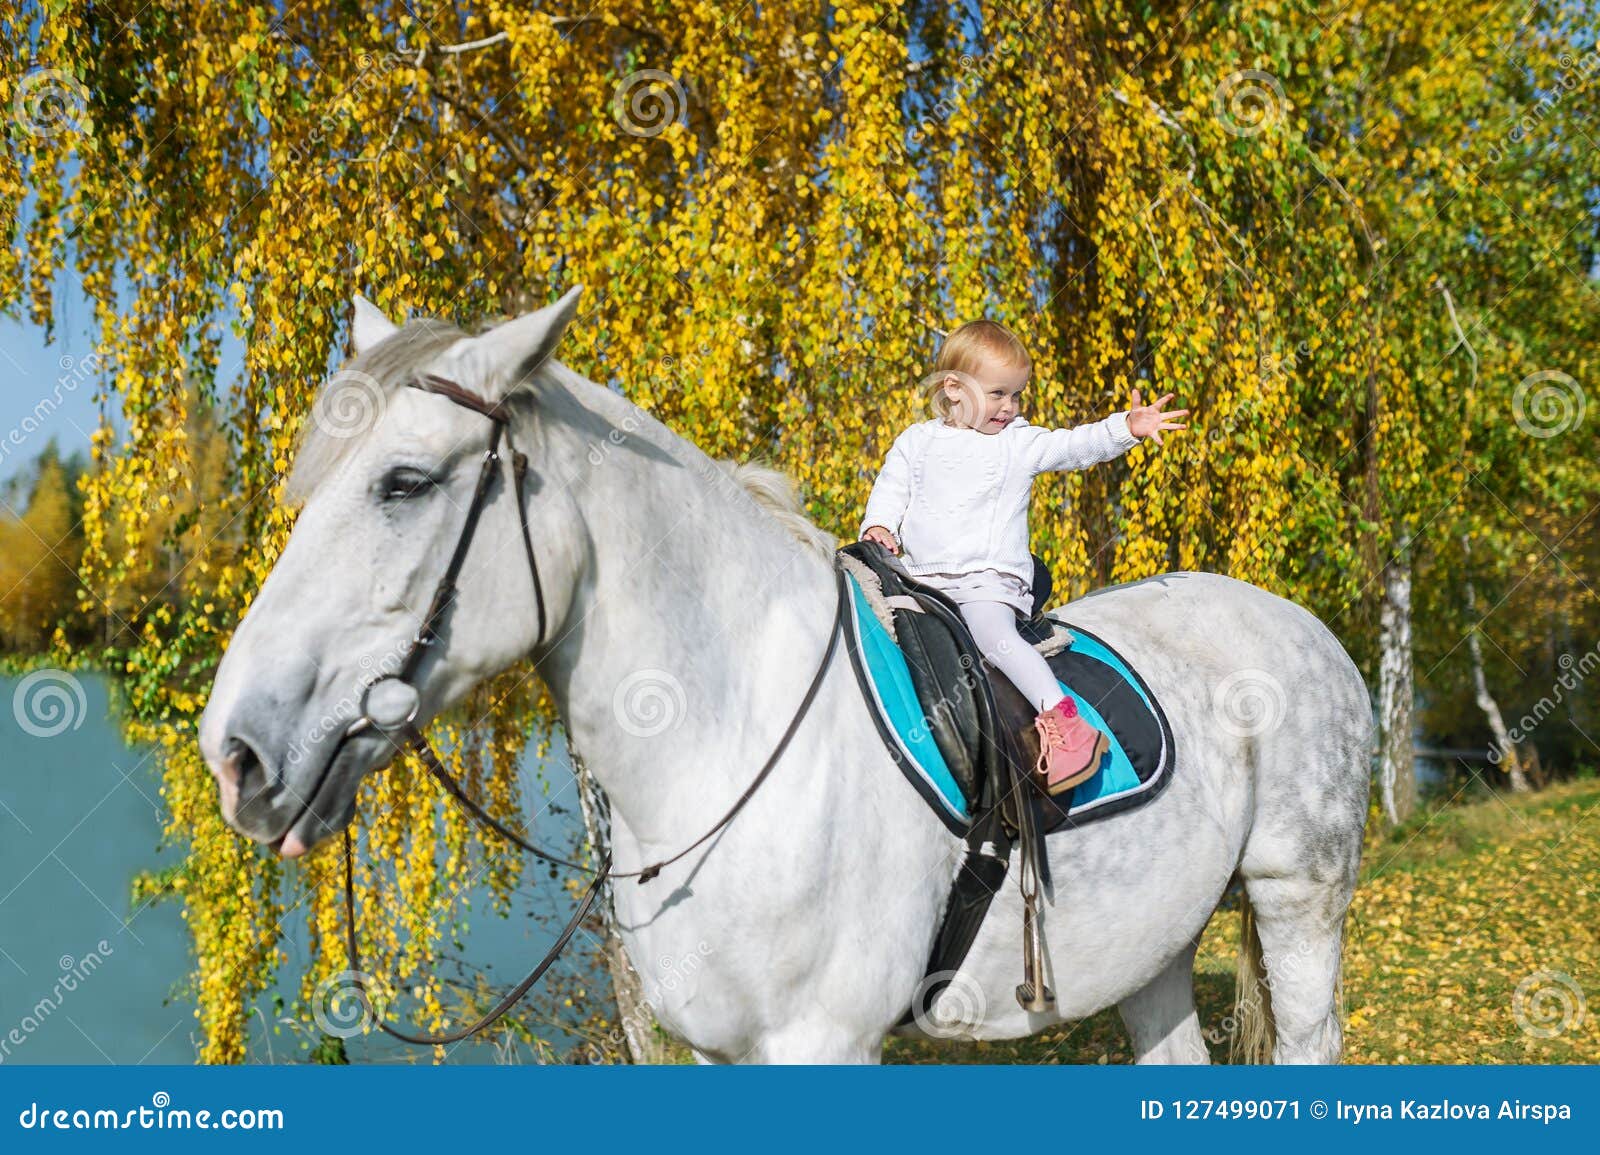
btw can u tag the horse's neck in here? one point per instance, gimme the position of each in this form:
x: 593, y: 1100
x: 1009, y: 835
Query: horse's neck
x: 696, y: 626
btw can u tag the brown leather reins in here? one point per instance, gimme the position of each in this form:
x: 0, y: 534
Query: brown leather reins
x: 399, y: 726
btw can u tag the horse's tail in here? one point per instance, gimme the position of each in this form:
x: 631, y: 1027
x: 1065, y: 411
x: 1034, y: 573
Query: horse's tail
x: 1253, y: 1034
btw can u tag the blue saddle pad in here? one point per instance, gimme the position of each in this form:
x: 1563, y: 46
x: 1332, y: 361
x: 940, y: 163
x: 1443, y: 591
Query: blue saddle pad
x: 1109, y: 694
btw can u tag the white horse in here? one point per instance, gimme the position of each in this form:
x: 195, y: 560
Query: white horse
x: 689, y: 603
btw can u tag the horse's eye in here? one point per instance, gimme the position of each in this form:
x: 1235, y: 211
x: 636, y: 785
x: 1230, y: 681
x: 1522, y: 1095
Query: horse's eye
x: 403, y: 483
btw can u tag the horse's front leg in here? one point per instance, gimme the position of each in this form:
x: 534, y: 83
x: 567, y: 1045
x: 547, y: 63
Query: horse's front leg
x: 815, y: 1041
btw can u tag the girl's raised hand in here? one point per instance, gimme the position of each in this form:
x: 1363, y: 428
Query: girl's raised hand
x: 1149, y: 420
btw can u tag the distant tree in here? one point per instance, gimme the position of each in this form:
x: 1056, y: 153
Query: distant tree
x: 40, y: 548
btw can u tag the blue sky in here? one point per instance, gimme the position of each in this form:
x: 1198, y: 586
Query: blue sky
x: 40, y: 395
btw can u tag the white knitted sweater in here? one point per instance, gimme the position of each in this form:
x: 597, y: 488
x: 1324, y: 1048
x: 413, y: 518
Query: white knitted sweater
x: 957, y: 499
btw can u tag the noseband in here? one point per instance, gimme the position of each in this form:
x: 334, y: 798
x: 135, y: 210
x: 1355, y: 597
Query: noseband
x: 390, y: 704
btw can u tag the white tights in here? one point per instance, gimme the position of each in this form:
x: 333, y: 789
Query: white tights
x: 994, y: 628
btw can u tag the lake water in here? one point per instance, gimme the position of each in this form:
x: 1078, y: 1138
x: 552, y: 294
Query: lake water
x: 86, y: 977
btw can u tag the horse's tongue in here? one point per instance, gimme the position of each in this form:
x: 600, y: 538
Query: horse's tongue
x: 292, y: 847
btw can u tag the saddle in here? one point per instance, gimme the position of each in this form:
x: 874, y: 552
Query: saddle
x: 977, y: 719
x: 963, y: 736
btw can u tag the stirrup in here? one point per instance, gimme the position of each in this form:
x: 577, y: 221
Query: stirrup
x: 1032, y: 994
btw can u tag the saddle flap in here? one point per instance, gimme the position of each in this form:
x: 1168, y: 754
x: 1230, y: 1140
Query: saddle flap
x: 943, y: 665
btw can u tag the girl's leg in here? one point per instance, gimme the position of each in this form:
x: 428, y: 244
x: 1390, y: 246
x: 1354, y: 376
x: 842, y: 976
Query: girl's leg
x: 994, y: 628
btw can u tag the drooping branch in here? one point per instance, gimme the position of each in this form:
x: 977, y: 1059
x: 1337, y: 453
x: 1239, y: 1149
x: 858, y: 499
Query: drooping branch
x: 503, y: 37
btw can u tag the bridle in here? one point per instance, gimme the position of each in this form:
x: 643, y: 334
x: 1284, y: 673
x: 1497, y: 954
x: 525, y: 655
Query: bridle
x: 396, y: 720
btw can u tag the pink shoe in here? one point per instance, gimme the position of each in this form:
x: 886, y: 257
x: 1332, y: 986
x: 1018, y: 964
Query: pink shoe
x: 1069, y: 748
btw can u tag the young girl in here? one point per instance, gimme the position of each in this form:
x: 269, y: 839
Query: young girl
x: 956, y: 489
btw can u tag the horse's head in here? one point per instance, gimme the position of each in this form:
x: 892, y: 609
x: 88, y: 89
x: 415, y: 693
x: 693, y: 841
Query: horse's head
x: 387, y: 473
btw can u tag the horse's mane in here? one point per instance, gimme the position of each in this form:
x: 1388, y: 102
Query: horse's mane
x: 774, y: 492
x: 368, y: 381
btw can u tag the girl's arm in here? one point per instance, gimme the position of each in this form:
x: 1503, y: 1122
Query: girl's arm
x: 891, y: 493
x: 1079, y: 447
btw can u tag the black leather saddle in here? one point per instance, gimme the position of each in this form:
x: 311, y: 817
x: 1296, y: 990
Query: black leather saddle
x: 974, y: 715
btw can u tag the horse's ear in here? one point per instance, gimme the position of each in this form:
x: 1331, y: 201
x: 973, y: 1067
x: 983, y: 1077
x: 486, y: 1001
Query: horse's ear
x: 512, y: 351
x: 369, y: 325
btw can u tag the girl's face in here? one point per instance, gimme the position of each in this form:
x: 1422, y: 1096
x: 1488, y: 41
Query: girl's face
x: 986, y: 400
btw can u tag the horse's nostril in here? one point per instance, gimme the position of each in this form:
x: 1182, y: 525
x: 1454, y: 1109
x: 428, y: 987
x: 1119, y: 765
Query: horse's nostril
x: 241, y: 763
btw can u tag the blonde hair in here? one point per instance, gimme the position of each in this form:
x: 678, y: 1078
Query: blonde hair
x: 966, y: 349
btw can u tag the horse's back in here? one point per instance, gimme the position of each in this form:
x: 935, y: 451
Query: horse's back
x: 1208, y: 632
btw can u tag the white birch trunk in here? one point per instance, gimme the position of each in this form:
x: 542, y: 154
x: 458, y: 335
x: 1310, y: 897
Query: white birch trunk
x: 636, y: 1025
x: 1510, y: 761
x: 1397, y: 780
